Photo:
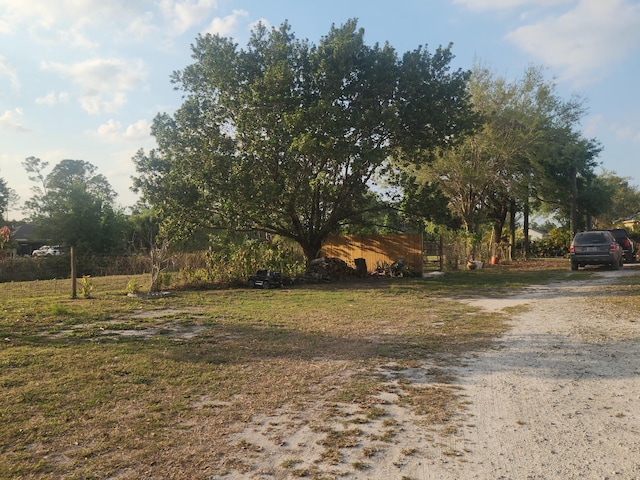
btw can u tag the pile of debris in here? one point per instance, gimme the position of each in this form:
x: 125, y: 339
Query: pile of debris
x: 399, y: 268
x: 328, y: 269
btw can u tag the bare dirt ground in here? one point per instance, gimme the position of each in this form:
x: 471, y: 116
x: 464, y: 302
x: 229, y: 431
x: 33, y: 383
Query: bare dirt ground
x: 558, y: 397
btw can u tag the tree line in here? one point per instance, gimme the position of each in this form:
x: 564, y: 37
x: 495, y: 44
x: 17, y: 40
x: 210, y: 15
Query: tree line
x: 305, y: 140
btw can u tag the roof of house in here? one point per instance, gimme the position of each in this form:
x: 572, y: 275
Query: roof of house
x: 25, y: 233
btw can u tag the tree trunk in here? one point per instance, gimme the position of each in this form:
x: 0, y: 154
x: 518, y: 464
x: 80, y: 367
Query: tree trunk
x: 311, y: 249
x: 512, y: 226
x: 498, y: 226
x: 525, y: 228
x: 74, y: 274
x: 573, y: 217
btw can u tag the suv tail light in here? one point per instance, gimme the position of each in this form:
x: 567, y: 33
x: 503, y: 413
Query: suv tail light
x: 612, y: 247
x: 572, y: 249
x: 625, y: 243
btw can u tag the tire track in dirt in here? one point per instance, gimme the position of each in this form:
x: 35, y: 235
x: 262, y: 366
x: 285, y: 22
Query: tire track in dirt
x: 558, y: 398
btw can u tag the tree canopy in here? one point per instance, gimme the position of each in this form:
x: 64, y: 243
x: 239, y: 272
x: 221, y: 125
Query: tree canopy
x: 525, y: 149
x: 287, y: 137
x: 7, y: 197
x: 624, y: 199
x: 74, y: 205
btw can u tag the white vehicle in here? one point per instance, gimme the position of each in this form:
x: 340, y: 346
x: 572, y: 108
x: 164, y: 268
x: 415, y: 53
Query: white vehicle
x: 46, y: 250
x: 41, y: 252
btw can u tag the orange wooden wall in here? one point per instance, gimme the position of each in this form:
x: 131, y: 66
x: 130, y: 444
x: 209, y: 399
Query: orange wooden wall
x: 384, y: 248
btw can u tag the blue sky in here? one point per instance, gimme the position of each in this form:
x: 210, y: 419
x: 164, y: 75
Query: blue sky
x: 83, y: 79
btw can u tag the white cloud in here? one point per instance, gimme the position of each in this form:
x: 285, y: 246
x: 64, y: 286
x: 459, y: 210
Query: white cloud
x: 112, y: 131
x: 104, y: 82
x: 627, y: 129
x: 53, y: 98
x: 585, y: 40
x: 109, y: 129
x: 17, y: 12
x: 77, y: 39
x: 11, y: 120
x: 94, y: 102
x: 581, y: 39
x: 88, y: 23
x: 184, y: 14
x: 142, y: 26
x: 262, y: 21
x: 507, y: 4
x: 5, y: 26
x: 140, y: 130
x: 47, y: 14
x: 6, y: 69
x: 226, y: 25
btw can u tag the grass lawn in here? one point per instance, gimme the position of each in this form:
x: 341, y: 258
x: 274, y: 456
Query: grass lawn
x: 119, y: 387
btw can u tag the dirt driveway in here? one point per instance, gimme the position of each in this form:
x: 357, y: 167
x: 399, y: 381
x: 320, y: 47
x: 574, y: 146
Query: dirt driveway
x: 558, y: 397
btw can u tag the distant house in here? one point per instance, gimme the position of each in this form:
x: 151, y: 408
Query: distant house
x: 535, y: 234
x: 26, y: 238
x: 632, y: 223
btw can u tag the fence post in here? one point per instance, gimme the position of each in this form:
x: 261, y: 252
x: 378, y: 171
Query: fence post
x: 73, y: 273
x: 441, y: 252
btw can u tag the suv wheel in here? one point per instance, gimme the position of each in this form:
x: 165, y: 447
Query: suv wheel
x: 265, y: 285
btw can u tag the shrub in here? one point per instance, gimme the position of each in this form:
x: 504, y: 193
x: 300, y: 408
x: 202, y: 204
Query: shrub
x: 133, y: 286
x: 555, y: 245
x: 86, y: 286
x: 229, y: 260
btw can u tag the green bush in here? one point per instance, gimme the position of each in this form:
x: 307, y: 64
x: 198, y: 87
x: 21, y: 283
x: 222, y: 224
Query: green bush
x: 229, y: 260
x: 556, y: 244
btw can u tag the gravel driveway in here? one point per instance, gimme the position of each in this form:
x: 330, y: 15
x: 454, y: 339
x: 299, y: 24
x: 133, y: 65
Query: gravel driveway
x: 559, y: 397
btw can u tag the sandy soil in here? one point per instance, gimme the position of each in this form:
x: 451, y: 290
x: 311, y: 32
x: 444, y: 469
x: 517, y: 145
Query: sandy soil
x: 558, y: 397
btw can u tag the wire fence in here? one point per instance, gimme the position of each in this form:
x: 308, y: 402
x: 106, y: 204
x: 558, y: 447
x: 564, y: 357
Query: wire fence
x: 44, y: 276
x: 25, y: 277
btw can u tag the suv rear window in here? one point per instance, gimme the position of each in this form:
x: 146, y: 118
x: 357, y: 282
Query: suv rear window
x: 591, y: 237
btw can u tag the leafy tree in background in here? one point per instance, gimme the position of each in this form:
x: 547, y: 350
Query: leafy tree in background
x: 530, y: 132
x: 142, y: 229
x: 287, y: 137
x: 4, y: 198
x: 566, y: 182
x: 8, y: 196
x: 74, y: 205
x: 624, y: 200
x: 524, y: 148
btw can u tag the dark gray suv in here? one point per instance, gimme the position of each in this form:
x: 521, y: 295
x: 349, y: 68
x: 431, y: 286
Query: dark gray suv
x: 628, y: 246
x: 595, y: 247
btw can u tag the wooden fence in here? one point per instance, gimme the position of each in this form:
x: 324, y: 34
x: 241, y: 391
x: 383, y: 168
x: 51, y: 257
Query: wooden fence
x: 377, y: 249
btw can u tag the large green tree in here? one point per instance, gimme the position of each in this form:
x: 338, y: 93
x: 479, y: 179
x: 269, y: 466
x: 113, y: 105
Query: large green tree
x: 566, y: 183
x: 8, y: 196
x: 622, y: 198
x: 523, y: 148
x: 74, y: 205
x: 287, y: 137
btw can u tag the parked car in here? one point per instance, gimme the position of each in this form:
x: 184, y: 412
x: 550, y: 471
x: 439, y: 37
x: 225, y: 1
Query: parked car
x: 46, y: 250
x: 629, y: 247
x: 266, y: 279
x: 595, y: 247
x: 41, y: 252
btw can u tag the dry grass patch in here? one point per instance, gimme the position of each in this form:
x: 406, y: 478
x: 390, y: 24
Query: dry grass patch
x: 83, y: 397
